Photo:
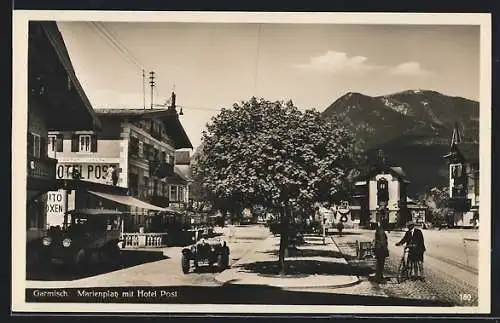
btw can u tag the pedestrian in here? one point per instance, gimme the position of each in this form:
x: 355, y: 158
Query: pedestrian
x: 414, y: 240
x: 340, y: 227
x: 381, y: 252
x: 225, y: 254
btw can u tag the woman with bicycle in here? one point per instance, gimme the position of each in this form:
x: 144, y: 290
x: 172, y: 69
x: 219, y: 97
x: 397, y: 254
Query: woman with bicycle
x: 414, y: 240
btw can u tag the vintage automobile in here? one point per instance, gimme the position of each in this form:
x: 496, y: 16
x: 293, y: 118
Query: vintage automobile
x: 86, y: 236
x: 214, y: 253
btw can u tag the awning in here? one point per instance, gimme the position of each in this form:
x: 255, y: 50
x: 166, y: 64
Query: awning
x: 131, y: 201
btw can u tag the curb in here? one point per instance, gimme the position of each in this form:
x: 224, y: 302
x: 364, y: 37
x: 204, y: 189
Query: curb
x: 343, y: 256
x: 357, y: 280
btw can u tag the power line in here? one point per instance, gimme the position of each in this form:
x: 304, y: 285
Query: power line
x: 111, y: 40
x: 120, y: 44
x: 125, y: 53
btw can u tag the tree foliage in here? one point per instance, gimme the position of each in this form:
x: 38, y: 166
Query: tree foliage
x: 437, y: 201
x: 271, y: 152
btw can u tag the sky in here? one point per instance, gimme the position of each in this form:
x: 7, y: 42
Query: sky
x: 212, y: 65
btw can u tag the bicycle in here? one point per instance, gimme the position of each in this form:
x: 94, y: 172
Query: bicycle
x: 405, y: 266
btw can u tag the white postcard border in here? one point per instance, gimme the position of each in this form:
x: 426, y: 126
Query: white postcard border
x: 19, y: 128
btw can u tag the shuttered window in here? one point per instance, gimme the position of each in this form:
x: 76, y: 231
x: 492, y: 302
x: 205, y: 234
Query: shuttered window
x: 84, y: 143
x: 55, y: 143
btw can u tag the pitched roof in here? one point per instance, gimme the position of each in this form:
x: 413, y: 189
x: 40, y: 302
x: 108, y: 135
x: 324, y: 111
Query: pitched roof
x: 396, y: 171
x: 169, y: 117
x: 54, y: 35
x: 464, y: 151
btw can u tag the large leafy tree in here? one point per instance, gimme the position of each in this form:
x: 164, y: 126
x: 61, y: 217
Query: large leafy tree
x: 276, y: 155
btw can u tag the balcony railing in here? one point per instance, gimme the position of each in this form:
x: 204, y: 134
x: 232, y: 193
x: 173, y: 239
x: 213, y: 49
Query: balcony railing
x: 42, y: 168
x: 160, y: 169
x: 144, y: 240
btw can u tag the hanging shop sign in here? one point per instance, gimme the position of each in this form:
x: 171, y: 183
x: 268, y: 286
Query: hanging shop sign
x: 56, y: 206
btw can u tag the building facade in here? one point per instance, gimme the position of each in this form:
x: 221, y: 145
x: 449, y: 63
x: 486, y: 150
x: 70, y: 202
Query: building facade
x: 136, y: 151
x: 380, y: 195
x: 56, y: 100
x: 463, y: 165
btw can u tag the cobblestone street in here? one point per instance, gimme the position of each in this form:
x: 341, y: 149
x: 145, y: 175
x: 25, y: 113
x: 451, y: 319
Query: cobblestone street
x: 441, y: 279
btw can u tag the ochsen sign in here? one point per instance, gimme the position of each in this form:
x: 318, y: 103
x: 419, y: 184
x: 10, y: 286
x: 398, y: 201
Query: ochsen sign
x: 56, y: 206
x: 90, y: 172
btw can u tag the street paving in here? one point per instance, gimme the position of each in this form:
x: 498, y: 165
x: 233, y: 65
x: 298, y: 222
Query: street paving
x: 153, y: 267
x: 445, y: 280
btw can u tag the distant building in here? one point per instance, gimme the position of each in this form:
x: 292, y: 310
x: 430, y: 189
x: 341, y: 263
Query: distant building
x: 380, y: 195
x: 463, y: 162
x: 417, y: 212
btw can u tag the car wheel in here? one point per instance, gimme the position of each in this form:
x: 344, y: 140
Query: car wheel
x: 112, y: 254
x: 185, y: 264
x: 81, y: 261
x: 220, y: 263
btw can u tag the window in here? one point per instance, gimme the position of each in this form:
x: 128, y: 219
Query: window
x: 181, y: 194
x: 134, y: 146
x: 146, y: 186
x: 55, y: 143
x: 84, y: 143
x: 151, y: 187
x: 173, y: 193
x: 456, y: 171
x: 34, y: 145
x: 171, y: 159
x: 133, y: 184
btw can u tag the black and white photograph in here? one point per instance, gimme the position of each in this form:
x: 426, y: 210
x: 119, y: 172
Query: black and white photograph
x: 260, y: 163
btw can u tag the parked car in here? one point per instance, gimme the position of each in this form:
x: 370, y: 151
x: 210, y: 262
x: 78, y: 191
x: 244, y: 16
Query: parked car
x: 86, y: 236
x: 214, y: 253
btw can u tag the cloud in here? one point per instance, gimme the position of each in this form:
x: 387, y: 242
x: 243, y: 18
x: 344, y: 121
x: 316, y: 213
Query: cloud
x: 338, y: 62
x: 409, y: 69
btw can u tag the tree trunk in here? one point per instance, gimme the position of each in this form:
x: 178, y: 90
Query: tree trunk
x: 283, y: 239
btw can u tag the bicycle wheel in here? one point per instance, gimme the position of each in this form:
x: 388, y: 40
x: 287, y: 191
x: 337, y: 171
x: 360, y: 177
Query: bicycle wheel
x: 402, y: 271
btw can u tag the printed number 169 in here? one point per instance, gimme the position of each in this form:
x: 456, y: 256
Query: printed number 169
x: 465, y: 297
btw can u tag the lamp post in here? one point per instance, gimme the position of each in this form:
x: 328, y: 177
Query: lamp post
x: 324, y: 226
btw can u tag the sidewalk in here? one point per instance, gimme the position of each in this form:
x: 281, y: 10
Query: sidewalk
x: 312, y: 265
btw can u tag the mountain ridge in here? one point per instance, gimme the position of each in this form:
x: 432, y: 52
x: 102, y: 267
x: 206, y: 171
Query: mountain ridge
x: 413, y: 127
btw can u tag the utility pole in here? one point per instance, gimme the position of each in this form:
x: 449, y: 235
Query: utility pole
x: 143, y: 90
x: 152, y: 83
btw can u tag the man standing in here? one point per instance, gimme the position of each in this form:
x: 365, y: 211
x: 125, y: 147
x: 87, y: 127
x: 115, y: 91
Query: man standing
x: 381, y: 252
x: 414, y: 240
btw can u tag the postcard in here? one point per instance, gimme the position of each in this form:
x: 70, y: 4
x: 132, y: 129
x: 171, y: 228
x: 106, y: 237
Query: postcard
x: 237, y: 162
